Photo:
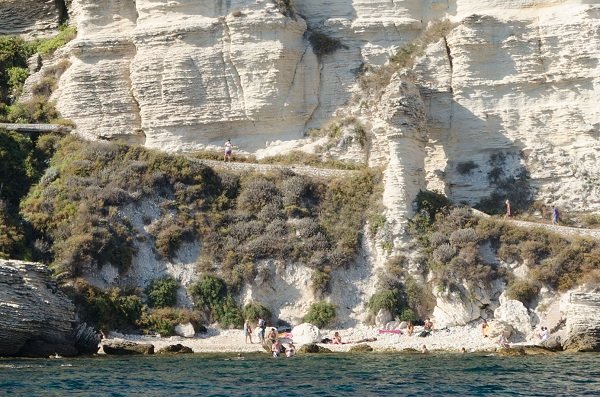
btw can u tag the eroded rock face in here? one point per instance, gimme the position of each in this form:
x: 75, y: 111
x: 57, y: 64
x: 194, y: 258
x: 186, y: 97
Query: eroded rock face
x: 31, y: 18
x: 33, y: 313
x: 522, y: 81
x: 583, y: 326
x: 516, y: 77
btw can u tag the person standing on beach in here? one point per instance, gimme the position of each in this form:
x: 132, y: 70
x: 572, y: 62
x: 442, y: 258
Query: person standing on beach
x: 508, y: 209
x: 247, y: 331
x: 262, y: 325
x: 228, y: 150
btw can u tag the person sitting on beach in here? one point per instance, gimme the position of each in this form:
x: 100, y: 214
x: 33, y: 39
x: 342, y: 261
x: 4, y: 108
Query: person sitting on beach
x: 337, y: 339
x: 247, y: 331
x: 544, y: 334
x: 428, y: 325
x: 410, y: 328
x: 424, y: 349
x: 503, y: 342
x: 276, y: 348
x: 272, y: 335
x: 290, y: 351
x: 485, y: 329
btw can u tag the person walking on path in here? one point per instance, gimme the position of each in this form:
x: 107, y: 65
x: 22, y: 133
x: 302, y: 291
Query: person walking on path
x: 555, y: 215
x: 508, y: 210
x: 228, y: 150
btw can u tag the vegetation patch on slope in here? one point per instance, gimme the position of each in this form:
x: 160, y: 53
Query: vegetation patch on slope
x: 78, y: 211
x: 454, y: 241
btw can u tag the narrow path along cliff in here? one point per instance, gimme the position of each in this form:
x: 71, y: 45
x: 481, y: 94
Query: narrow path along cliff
x: 256, y: 167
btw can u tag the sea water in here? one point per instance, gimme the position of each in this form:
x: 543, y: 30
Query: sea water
x: 371, y: 374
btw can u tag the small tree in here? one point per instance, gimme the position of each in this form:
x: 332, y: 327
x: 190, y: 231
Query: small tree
x: 320, y: 314
x: 162, y: 292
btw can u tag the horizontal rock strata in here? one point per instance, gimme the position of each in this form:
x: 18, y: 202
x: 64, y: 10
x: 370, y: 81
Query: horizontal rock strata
x: 34, y: 315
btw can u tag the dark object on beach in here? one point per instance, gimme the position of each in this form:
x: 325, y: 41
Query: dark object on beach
x: 313, y: 348
x: 424, y: 334
x: 201, y: 329
x: 362, y: 348
x: 326, y: 340
x: 175, y: 349
x: 122, y: 348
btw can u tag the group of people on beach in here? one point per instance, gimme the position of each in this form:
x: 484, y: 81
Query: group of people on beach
x: 271, y: 339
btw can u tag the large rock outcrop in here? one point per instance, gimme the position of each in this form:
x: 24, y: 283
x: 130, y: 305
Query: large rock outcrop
x: 35, y: 317
x: 583, y: 324
x: 31, y: 18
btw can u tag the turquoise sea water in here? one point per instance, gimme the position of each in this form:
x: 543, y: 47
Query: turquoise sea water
x: 316, y: 375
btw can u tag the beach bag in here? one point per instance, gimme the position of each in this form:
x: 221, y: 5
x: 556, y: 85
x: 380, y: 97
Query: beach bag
x: 423, y: 334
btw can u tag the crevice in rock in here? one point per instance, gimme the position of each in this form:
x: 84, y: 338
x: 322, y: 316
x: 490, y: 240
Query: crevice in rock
x: 312, y: 114
x: 227, y: 59
x: 63, y: 11
x: 449, y: 53
x: 539, y: 47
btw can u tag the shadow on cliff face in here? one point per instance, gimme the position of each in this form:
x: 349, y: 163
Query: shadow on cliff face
x: 484, y: 166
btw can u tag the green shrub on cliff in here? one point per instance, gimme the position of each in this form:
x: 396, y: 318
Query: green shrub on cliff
x: 164, y: 320
x: 110, y: 309
x: 162, y: 292
x: 253, y: 311
x: 212, y: 297
x: 320, y: 314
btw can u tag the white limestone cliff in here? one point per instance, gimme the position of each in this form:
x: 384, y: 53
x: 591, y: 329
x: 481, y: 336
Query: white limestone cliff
x: 517, y: 77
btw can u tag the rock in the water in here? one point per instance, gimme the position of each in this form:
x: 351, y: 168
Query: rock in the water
x: 313, y: 348
x: 175, y: 349
x: 186, y: 330
x: 361, y: 348
x: 86, y: 339
x: 306, y: 333
x: 583, y: 323
x: 553, y: 343
x: 121, y: 348
x: 34, y: 313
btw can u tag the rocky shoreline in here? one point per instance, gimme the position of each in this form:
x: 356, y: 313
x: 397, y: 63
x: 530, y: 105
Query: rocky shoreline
x: 451, y: 340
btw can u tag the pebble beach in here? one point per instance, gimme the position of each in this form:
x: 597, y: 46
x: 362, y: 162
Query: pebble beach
x: 453, y: 339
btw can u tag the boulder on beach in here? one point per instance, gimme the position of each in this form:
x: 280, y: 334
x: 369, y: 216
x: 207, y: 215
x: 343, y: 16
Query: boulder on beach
x: 121, y: 348
x: 186, y: 330
x: 175, y: 349
x: 361, y: 348
x: 313, y: 348
x: 383, y: 317
x: 306, y: 333
x: 514, y: 313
